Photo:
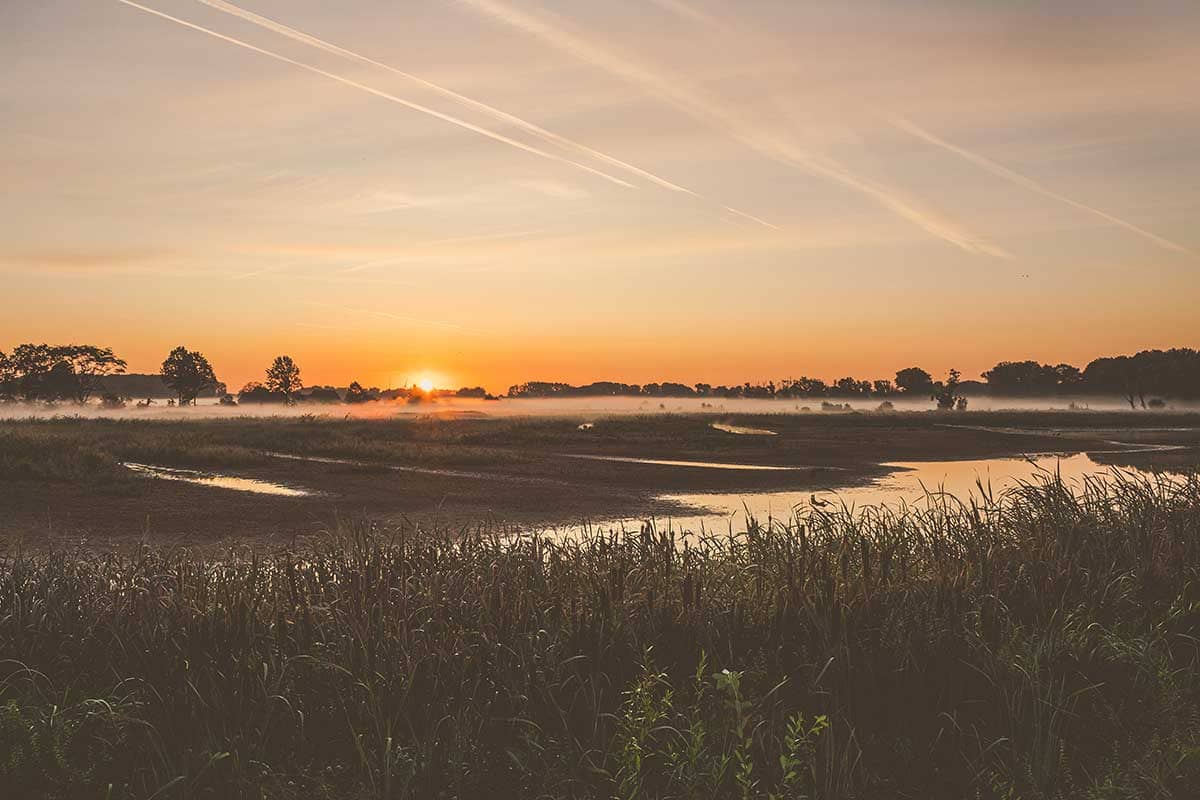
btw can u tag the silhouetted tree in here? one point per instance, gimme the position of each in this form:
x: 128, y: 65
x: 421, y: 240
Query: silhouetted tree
x: 284, y: 376
x: 914, y: 380
x: 946, y: 394
x: 540, y: 389
x: 851, y: 387
x: 804, y: 386
x: 1068, y: 377
x: 321, y: 394
x: 1172, y: 373
x: 1031, y: 379
x: 255, y: 392
x: 187, y: 373
x: 602, y: 389
x: 1117, y: 375
x: 57, y: 372
x: 31, y: 365
x: 356, y: 393
x: 89, y: 365
x: 7, y: 377
x: 883, y: 388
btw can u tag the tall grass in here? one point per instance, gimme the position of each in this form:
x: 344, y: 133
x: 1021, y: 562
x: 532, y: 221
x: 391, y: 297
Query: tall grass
x: 1042, y: 644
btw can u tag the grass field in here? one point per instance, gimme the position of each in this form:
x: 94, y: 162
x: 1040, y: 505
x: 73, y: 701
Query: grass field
x: 1042, y: 646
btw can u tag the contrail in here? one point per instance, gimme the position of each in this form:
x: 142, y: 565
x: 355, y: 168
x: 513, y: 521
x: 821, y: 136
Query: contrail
x: 1002, y: 171
x: 699, y: 107
x: 496, y: 113
x: 679, y: 8
x: 393, y: 98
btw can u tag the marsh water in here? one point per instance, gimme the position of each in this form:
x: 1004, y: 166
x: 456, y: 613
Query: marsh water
x: 666, y: 462
x: 216, y: 480
x: 545, y: 481
x: 910, y: 484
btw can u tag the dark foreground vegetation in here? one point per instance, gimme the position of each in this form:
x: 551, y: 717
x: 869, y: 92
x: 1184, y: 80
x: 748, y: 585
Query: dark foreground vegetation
x: 1041, y: 645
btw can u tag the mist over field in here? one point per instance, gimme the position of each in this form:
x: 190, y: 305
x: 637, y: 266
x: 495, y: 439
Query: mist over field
x: 208, y: 408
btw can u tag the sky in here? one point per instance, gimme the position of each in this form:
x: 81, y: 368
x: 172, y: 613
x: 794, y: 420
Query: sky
x: 493, y: 191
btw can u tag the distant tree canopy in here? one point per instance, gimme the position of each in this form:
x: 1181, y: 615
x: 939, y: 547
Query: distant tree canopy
x: 1148, y: 375
x: 79, y: 373
x: 255, y: 392
x: 47, y: 372
x: 1031, y: 378
x: 914, y: 380
x: 284, y: 376
x: 1151, y: 374
x: 145, y: 385
x: 883, y: 388
x: 1165, y: 373
x: 187, y: 373
x: 322, y: 394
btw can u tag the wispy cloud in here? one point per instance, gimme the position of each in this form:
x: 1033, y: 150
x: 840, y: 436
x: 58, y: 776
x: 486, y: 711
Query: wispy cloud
x: 477, y: 105
x: 403, y: 318
x: 84, y: 259
x: 712, y: 112
x: 423, y: 250
x: 1002, y: 171
x: 499, y: 137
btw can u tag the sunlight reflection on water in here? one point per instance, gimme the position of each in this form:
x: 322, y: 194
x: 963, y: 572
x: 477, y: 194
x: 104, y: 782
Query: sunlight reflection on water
x: 665, y: 462
x: 217, y: 481
x: 742, y: 430
x: 909, y: 484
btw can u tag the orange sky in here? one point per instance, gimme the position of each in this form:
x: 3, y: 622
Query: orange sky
x: 493, y: 191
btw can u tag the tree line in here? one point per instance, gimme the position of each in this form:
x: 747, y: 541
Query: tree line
x: 1141, y: 379
x: 77, y: 373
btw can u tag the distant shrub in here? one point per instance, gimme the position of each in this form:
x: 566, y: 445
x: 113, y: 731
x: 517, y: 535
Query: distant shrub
x: 357, y: 394
x: 257, y: 393
x: 321, y: 394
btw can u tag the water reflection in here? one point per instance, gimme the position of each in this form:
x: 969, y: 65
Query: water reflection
x: 216, y: 481
x: 909, y: 485
x: 662, y: 462
x: 742, y: 430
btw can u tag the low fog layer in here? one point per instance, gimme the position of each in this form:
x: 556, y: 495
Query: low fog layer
x: 581, y: 407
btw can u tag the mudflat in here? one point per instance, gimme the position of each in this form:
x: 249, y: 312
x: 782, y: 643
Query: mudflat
x: 66, y: 480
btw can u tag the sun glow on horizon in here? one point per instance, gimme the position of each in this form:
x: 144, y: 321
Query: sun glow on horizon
x: 426, y: 381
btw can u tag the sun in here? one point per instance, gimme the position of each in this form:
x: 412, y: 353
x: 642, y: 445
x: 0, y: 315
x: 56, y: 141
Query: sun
x: 425, y: 384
